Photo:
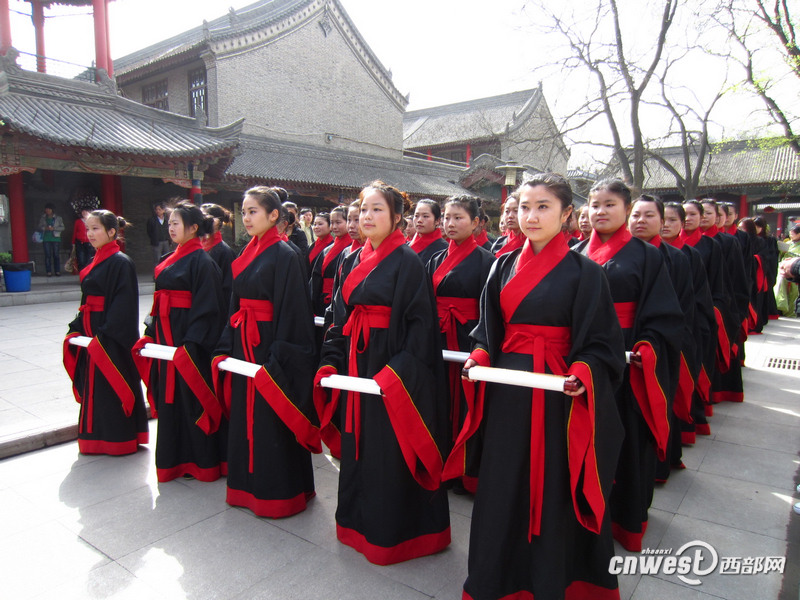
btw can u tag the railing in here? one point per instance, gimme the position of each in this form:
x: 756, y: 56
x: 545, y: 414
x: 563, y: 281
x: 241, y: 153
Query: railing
x: 59, y: 68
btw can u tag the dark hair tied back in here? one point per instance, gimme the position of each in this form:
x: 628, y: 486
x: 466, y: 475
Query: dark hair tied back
x: 471, y: 204
x: 613, y: 186
x: 555, y: 184
x: 191, y: 214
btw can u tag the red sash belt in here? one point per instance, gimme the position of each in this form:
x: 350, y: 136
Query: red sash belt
x: 626, y: 313
x: 163, y: 302
x: 246, y: 319
x: 362, y: 319
x: 93, y: 304
x: 452, y: 310
x: 327, y: 290
x: 548, y: 347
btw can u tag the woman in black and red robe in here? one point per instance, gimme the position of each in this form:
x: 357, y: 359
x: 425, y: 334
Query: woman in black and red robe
x: 427, y: 240
x: 459, y: 274
x: 391, y: 504
x: 481, y: 235
x: 218, y: 250
x: 273, y: 425
x: 646, y: 222
x: 702, y: 362
x: 727, y: 385
x: 769, y: 259
x: 649, y: 314
x: 113, y: 417
x: 322, y: 232
x: 186, y: 314
x: 513, y: 237
x: 540, y: 528
x: 324, y: 266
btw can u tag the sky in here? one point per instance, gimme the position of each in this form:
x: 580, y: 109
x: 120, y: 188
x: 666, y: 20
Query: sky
x: 439, y: 51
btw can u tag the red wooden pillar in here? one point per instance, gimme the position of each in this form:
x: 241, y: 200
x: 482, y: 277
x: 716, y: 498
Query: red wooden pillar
x: 109, y: 62
x: 100, y: 34
x: 107, y: 197
x: 469, y: 154
x: 19, y: 233
x: 118, y: 195
x: 37, y: 16
x: 5, y: 27
x: 744, y: 210
x: 780, y: 221
x: 503, y: 195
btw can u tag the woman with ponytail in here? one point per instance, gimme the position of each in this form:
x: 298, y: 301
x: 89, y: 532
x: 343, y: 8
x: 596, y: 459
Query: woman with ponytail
x: 218, y: 250
x: 391, y: 505
x: 273, y: 425
x: 459, y: 275
x: 513, y: 237
x: 186, y: 314
x: 113, y: 417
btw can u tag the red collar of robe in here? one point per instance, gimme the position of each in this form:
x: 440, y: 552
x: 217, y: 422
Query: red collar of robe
x: 356, y: 245
x: 482, y: 238
x: 691, y: 238
x: 732, y: 229
x: 183, y: 250
x: 514, y: 240
x: 711, y: 231
x: 212, y: 240
x: 656, y: 241
x: 319, y: 246
x: 678, y: 242
x: 283, y: 237
x: 103, y: 253
x: 369, y: 260
x: 420, y: 242
x: 601, y: 252
x: 339, y: 244
x: 254, y: 247
x: 455, y: 254
x: 529, y: 271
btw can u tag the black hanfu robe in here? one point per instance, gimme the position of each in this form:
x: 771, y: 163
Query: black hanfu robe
x: 391, y: 505
x: 187, y: 314
x: 682, y: 375
x: 273, y: 424
x: 323, y: 274
x: 727, y: 385
x: 714, y: 263
x: 113, y: 417
x: 704, y: 328
x: 484, y: 241
x: 459, y: 275
x: 508, y: 243
x: 649, y: 314
x: 427, y: 245
x: 223, y: 255
x: 540, y: 525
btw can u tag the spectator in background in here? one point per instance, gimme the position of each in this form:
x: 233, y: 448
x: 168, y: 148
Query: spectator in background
x: 84, y: 252
x: 158, y: 232
x: 51, y: 226
x: 306, y: 221
x: 294, y: 232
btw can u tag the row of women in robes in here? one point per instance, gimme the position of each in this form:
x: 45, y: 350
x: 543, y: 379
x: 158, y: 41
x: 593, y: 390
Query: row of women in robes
x: 554, y: 475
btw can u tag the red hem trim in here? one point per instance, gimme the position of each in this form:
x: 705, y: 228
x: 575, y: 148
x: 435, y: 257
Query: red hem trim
x: 199, y: 473
x: 143, y: 437
x: 577, y: 590
x: 414, y: 548
x: 223, y: 469
x: 274, y: 509
x: 773, y: 317
x: 709, y: 408
x: 470, y: 484
x: 728, y: 396
x: 688, y: 437
x: 111, y: 448
x: 630, y: 540
x: 702, y: 429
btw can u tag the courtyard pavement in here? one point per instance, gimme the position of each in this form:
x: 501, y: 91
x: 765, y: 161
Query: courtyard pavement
x: 75, y: 526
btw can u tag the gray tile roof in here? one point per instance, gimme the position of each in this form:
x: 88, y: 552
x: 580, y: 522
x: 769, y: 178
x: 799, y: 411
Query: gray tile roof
x: 731, y: 164
x: 277, y: 161
x: 473, y: 120
x: 88, y: 115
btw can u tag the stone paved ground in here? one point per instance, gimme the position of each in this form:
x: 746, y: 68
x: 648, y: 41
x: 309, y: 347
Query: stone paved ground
x: 99, y: 527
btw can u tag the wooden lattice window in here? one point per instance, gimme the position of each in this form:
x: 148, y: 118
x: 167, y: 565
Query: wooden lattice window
x: 197, y: 92
x: 155, y: 95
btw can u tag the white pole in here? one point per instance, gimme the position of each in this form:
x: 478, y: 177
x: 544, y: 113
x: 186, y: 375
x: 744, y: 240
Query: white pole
x: 80, y: 340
